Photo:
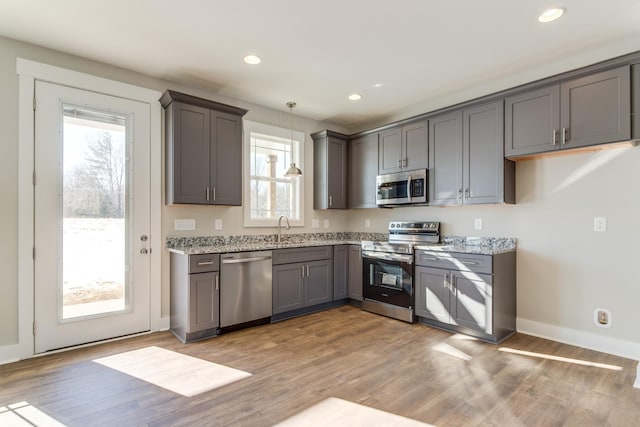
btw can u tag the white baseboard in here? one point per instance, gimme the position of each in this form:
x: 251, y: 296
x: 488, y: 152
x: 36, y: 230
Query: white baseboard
x: 615, y: 346
x: 637, y: 383
x: 9, y: 354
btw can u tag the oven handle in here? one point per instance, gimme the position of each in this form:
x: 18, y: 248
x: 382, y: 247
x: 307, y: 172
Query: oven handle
x: 409, y: 188
x: 388, y: 256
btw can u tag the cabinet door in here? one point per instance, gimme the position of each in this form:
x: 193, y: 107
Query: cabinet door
x: 363, y: 167
x: 188, y: 154
x: 340, y: 272
x: 226, y: 159
x: 532, y: 122
x: 416, y: 145
x: 204, y: 301
x: 445, y: 159
x: 472, y: 306
x: 483, y: 154
x: 337, y: 173
x: 318, y: 282
x: 433, y: 294
x: 390, y: 151
x: 596, y: 109
x: 288, y: 290
x: 355, y: 272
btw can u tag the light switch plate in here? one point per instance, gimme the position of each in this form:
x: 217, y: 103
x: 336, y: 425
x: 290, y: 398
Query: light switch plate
x: 367, y: 223
x: 326, y: 223
x: 184, y: 224
x: 478, y: 223
x: 599, y: 223
x: 315, y: 223
x: 217, y: 224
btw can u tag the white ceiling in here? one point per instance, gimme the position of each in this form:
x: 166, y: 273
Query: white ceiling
x: 427, y: 54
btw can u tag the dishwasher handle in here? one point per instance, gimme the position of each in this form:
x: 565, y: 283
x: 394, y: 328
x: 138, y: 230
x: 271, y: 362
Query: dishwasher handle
x: 244, y: 260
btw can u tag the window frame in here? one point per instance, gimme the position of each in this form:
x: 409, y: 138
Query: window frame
x: 250, y: 127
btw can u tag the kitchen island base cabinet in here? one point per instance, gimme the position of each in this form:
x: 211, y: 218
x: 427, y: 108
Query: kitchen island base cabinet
x: 471, y: 294
x: 195, y: 296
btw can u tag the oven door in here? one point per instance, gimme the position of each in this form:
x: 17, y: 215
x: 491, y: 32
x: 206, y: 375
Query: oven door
x: 388, y: 278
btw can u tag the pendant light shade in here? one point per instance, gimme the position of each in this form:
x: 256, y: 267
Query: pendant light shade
x: 293, y: 169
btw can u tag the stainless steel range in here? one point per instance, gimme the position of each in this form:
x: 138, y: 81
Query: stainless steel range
x: 388, y: 268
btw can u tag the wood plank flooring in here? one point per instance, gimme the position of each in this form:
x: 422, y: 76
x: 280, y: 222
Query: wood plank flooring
x: 411, y: 370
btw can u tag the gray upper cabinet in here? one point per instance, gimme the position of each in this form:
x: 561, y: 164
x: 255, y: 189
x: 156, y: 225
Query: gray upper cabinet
x: 203, y: 151
x: 586, y: 111
x: 532, y: 122
x: 445, y: 159
x: 403, y: 148
x: 330, y: 159
x: 363, y: 169
x: 467, y: 164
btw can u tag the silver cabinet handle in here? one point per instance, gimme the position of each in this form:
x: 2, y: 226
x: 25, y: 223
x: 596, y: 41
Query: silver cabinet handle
x: 398, y: 163
x: 459, y: 193
x: 428, y: 258
x: 202, y: 263
x: 307, y: 270
x: 207, y: 194
x: 565, y: 135
x: 330, y: 201
x: 445, y: 284
x: 404, y: 162
x: 554, y: 137
x: 409, y: 188
x: 217, y: 282
x: 244, y: 260
x: 302, y: 271
x: 466, y: 193
x: 469, y: 263
x: 214, y: 194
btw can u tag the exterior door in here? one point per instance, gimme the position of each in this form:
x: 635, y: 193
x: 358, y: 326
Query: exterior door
x: 92, y: 212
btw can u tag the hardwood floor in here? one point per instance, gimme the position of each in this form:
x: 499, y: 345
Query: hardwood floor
x: 410, y: 370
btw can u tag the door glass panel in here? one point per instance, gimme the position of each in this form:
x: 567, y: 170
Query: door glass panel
x: 94, y: 214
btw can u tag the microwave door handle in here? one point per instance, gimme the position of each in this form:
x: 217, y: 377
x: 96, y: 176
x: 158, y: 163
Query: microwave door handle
x: 409, y: 188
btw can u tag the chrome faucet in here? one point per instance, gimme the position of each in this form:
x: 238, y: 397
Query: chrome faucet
x: 280, y: 226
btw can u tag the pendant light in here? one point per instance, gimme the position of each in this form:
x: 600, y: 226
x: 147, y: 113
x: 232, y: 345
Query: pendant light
x: 293, y: 170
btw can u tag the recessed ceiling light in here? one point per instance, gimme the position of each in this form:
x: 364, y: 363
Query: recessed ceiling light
x: 252, y: 59
x: 551, y: 14
x: 355, y: 97
x: 377, y: 85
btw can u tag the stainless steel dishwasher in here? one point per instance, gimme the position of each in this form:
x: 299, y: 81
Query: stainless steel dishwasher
x: 245, y: 287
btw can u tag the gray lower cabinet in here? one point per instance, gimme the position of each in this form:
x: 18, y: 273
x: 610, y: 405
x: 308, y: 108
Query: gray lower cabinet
x: 355, y: 273
x: 330, y: 156
x: 195, y: 296
x: 340, y: 272
x: 472, y: 294
x: 304, y: 283
x: 403, y: 148
x: 586, y: 111
x: 635, y: 101
x: 466, y: 160
x: 203, y: 151
x: 363, y: 169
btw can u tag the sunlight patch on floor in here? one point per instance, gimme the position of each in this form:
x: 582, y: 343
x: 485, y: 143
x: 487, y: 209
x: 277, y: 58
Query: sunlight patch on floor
x: 173, y: 371
x: 24, y: 414
x: 336, y: 412
x: 561, y: 359
x: 451, y: 351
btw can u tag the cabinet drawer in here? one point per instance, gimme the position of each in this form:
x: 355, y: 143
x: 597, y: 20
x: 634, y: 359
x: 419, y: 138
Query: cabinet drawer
x: 203, y: 263
x: 287, y: 256
x: 455, y: 261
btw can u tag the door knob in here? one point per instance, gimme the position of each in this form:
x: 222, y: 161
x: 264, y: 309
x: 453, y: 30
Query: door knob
x: 144, y: 238
x: 144, y: 251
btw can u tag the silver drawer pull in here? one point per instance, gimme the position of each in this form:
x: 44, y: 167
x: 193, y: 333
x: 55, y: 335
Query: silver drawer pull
x: 200, y: 264
x: 431, y: 258
x: 245, y: 260
x: 469, y: 263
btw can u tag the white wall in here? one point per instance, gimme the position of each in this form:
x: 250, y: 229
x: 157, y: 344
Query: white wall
x: 565, y: 270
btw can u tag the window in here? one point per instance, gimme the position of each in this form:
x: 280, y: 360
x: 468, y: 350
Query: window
x: 268, y: 192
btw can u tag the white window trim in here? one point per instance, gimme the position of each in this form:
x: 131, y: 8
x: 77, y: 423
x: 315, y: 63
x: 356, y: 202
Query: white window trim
x: 249, y: 127
x: 29, y: 71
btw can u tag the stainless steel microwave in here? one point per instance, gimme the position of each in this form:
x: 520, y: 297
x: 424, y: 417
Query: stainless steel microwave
x: 402, y: 188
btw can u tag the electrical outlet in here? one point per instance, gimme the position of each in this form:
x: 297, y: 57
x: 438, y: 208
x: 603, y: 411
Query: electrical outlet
x: 602, y: 318
x: 184, y: 224
x: 367, y: 223
x: 315, y: 223
x: 326, y: 223
x: 478, y: 223
x: 217, y: 224
x: 599, y: 223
